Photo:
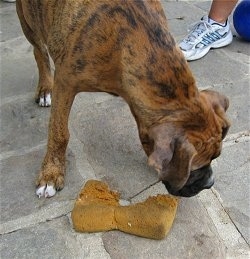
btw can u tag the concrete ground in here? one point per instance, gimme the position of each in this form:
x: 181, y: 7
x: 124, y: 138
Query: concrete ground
x: 104, y: 145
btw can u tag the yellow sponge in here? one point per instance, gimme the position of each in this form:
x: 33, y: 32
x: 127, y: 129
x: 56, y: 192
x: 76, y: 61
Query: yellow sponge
x: 94, y: 209
x: 97, y: 209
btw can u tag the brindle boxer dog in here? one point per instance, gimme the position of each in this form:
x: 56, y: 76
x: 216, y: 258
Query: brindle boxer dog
x: 124, y: 48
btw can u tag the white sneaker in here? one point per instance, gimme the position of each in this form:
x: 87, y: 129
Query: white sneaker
x: 203, y: 36
x: 9, y: 1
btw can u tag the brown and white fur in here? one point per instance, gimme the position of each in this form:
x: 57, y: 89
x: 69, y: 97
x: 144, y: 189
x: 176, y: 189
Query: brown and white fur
x: 124, y: 48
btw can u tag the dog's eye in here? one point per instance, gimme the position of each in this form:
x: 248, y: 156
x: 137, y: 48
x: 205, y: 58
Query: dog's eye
x: 224, y: 132
x: 215, y: 155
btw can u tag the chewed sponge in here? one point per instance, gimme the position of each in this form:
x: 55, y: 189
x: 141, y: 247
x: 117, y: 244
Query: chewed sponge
x: 97, y: 209
x: 152, y: 218
x: 94, y: 209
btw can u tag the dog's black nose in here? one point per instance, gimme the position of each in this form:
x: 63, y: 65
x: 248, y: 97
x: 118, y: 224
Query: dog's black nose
x: 199, y: 180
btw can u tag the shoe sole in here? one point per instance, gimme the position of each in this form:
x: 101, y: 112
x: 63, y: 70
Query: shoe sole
x: 218, y: 44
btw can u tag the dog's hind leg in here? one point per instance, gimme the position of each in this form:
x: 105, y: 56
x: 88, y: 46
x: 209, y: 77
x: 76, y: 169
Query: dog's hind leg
x: 44, y: 89
x: 51, y: 177
x: 45, y: 83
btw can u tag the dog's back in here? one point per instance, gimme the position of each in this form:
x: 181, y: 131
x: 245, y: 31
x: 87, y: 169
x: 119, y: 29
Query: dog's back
x: 113, y: 42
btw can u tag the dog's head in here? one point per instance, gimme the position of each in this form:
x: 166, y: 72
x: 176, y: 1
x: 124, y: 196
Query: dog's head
x: 182, y: 150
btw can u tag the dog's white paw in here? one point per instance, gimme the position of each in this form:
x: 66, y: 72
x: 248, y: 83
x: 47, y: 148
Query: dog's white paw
x: 40, y: 191
x: 45, y: 100
x: 46, y: 191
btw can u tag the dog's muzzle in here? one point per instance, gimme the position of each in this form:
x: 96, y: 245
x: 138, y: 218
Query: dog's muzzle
x: 198, y: 180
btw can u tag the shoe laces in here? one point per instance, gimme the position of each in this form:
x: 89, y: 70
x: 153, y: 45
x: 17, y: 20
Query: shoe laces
x: 197, y: 30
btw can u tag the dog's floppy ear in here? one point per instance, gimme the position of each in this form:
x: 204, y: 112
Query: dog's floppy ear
x: 220, y: 104
x: 172, y: 155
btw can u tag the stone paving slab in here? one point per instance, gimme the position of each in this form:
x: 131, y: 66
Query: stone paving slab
x: 17, y: 190
x: 21, y: 122
x: 104, y: 145
x: 232, y: 183
x: 50, y: 240
x: 201, y: 239
x: 110, y: 139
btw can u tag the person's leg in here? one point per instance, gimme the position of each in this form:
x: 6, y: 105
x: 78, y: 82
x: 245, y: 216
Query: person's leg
x: 221, y: 9
x: 212, y: 31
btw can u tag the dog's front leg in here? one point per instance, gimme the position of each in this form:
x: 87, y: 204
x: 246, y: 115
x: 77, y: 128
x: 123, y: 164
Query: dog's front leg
x: 51, y: 176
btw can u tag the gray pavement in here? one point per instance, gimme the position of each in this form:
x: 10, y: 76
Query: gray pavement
x: 104, y: 145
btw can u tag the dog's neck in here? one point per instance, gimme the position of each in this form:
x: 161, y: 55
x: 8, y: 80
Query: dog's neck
x: 162, y: 96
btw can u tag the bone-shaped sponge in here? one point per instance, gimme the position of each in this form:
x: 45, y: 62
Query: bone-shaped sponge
x: 97, y: 209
